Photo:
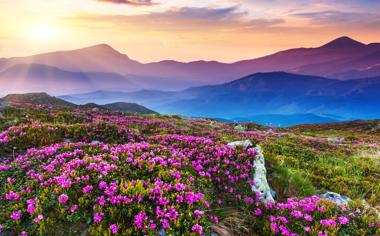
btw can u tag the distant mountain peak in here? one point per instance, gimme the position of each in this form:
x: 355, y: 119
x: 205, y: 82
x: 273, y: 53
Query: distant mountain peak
x: 343, y: 42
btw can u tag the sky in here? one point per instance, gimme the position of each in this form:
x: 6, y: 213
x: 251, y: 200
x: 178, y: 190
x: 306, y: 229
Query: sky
x: 154, y: 30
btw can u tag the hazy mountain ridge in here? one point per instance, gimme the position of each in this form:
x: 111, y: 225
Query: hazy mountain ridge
x: 259, y: 94
x: 342, y: 58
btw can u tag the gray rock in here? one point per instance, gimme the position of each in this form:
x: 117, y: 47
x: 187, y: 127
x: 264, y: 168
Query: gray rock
x: 239, y: 127
x: 260, y: 178
x: 245, y: 143
x: 336, y: 198
x: 335, y: 139
x: 260, y: 174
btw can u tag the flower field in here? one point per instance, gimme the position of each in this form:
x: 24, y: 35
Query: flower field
x: 87, y: 172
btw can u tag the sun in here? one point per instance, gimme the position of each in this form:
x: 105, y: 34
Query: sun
x: 43, y: 33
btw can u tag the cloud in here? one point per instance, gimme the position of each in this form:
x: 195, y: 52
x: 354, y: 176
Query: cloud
x: 340, y: 18
x: 187, y: 18
x: 130, y: 2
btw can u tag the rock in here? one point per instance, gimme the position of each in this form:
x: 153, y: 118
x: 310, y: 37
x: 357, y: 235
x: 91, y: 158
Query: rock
x: 335, y: 139
x: 260, y: 178
x: 162, y: 233
x: 245, y: 143
x: 239, y: 127
x: 220, y: 230
x: 336, y: 198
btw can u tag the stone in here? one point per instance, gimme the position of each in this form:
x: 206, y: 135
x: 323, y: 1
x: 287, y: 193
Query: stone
x: 336, y: 198
x: 335, y: 139
x: 220, y: 230
x: 245, y: 143
x: 239, y: 127
x: 261, y: 184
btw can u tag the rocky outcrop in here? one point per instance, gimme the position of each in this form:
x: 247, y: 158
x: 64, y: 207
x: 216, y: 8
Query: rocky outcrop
x: 244, y: 143
x: 260, y: 178
x: 260, y: 185
x: 336, y: 198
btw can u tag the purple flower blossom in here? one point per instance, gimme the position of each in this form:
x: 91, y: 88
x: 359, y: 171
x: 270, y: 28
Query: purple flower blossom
x: 16, y: 215
x: 114, y: 228
x: 63, y: 198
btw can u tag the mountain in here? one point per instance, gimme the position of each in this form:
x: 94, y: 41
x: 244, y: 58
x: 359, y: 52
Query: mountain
x: 260, y: 94
x: 37, y: 99
x: 126, y: 107
x: 23, y: 78
x: 342, y: 58
x: 98, y: 58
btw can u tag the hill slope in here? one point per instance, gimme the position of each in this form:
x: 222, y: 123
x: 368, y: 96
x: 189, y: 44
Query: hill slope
x: 126, y: 107
x: 37, y: 99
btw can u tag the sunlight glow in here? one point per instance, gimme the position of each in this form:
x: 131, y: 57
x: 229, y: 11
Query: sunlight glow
x: 43, y: 33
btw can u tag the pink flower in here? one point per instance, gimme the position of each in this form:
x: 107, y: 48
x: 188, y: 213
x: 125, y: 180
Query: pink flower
x: 114, y: 228
x: 98, y: 217
x: 308, y: 217
x: 63, y: 198
x: 258, y: 212
x: 306, y: 229
x: 73, y: 208
x: 87, y: 189
x: 12, y: 196
x: 197, y: 228
x: 343, y: 220
x: 321, y: 234
x: 296, y: 214
x: 102, y: 185
x: 31, y: 209
x: 16, y: 215
x: 38, y: 218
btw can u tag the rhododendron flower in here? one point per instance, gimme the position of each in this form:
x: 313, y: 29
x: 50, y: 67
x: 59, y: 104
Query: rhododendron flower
x: 16, y: 215
x: 343, y: 220
x: 98, y: 217
x: 258, y: 212
x: 12, y: 196
x: 197, y: 228
x: 31, y: 209
x: 63, y: 198
x: 140, y: 219
x: 87, y: 189
x: 114, y: 228
x: 73, y: 208
x: 38, y: 218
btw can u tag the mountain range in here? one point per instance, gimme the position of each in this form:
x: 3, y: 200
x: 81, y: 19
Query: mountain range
x: 342, y: 58
x: 271, y: 93
x: 336, y: 81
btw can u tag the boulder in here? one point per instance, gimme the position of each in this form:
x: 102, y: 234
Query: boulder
x: 336, y: 198
x: 261, y: 184
x: 244, y: 143
x: 239, y: 127
x: 260, y: 174
x: 335, y: 139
